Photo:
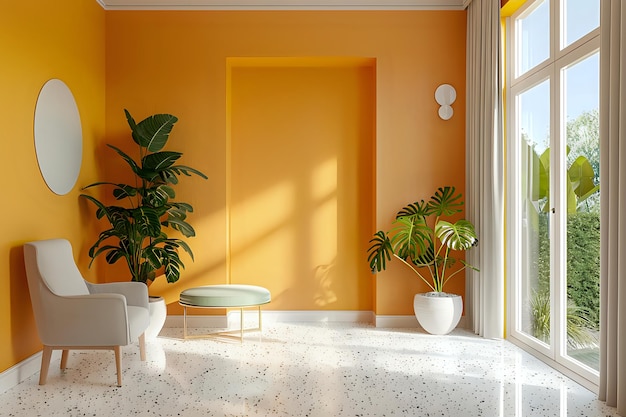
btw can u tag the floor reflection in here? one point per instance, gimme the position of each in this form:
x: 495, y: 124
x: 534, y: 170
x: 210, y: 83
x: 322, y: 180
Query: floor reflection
x: 310, y: 369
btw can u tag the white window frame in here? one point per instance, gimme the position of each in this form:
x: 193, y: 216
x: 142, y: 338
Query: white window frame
x: 552, y: 69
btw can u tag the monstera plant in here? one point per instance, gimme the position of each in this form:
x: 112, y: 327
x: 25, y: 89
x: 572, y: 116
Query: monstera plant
x: 145, y: 211
x: 426, y: 242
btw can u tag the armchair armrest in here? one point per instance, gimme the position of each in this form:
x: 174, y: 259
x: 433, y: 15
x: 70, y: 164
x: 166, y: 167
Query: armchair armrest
x: 85, y: 320
x: 136, y: 293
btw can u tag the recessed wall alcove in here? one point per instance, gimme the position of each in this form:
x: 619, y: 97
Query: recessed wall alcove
x: 300, y: 181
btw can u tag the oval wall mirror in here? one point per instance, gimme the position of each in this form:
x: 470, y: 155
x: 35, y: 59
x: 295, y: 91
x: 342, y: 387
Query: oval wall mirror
x: 58, y: 136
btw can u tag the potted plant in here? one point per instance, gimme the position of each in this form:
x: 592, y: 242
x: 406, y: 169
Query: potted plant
x: 426, y: 243
x: 138, y: 229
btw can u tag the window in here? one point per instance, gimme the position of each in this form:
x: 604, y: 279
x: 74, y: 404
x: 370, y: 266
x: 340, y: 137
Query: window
x: 553, y: 206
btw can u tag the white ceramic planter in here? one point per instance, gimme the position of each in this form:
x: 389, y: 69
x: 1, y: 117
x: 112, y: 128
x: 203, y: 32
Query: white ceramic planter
x: 158, y: 314
x: 438, y: 312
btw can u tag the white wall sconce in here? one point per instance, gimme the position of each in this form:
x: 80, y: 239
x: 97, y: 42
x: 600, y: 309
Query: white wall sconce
x: 445, y: 96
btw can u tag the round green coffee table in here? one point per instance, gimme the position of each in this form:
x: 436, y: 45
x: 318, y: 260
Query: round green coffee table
x: 224, y: 296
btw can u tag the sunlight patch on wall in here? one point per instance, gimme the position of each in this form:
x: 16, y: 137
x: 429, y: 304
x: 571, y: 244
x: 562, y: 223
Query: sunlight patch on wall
x: 263, y: 213
x: 324, y: 180
x: 324, y: 233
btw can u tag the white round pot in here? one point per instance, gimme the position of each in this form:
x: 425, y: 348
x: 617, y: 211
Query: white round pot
x: 158, y: 314
x: 438, y: 312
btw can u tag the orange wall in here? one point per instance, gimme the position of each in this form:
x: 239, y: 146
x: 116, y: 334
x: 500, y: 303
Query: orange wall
x: 176, y: 62
x: 40, y: 40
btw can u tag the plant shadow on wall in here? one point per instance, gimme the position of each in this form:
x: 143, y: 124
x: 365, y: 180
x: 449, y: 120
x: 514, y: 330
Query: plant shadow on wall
x: 426, y: 243
x: 323, y: 276
x: 138, y: 230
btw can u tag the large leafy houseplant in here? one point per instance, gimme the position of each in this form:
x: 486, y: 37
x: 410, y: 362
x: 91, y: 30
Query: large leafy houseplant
x: 424, y: 241
x: 138, y: 230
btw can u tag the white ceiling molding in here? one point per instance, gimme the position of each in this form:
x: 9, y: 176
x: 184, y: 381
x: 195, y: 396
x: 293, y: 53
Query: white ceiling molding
x: 283, y: 4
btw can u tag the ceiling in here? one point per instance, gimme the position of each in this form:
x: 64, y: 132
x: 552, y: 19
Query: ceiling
x: 284, y: 4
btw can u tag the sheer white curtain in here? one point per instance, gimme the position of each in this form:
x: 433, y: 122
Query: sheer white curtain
x: 484, y: 290
x: 612, y: 387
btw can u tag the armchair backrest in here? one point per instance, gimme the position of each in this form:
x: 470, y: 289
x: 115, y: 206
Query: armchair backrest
x: 52, y: 262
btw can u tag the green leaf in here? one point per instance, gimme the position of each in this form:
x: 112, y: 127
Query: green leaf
x: 159, y: 161
x: 146, y: 271
x: 411, y: 237
x: 426, y: 257
x: 469, y: 266
x: 153, y: 132
x: 540, y: 174
x: 130, y: 120
x: 185, y: 246
x: 94, y: 251
x: 180, y: 225
x: 581, y: 176
x: 380, y: 252
x: 172, y: 271
x: 114, y: 255
x: 154, y: 256
x: 124, y: 191
x: 419, y: 208
x: 188, y: 171
x: 147, y: 221
x: 182, y: 207
x: 458, y: 236
x: 169, y: 176
x: 159, y: 196
x: 445, y: 202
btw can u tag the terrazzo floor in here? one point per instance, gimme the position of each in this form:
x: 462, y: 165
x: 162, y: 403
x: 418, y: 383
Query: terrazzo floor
x: 319, y: 369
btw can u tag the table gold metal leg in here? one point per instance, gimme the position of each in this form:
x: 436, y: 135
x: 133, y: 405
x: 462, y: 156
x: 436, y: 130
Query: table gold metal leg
x: 184, y: 322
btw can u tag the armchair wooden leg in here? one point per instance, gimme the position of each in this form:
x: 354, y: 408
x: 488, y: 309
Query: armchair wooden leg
x: 64, y: 355
x: 142, y: 347
x: 118, y: 364
x: 45, y: 364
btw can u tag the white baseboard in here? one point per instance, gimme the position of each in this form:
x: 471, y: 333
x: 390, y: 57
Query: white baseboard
x: 410, y: 322
x: 310, y: 316
x: 21, y: 371
x: 302, y: 316
x: 384, y: 321
x: 271, y: 316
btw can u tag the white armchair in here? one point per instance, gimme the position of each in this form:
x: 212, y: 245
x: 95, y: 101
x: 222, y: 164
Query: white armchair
x: 71, y: 313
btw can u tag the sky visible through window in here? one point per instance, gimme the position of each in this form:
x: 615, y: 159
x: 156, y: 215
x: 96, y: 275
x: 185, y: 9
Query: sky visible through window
x: 581, y: 17
x: 582, y: 80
